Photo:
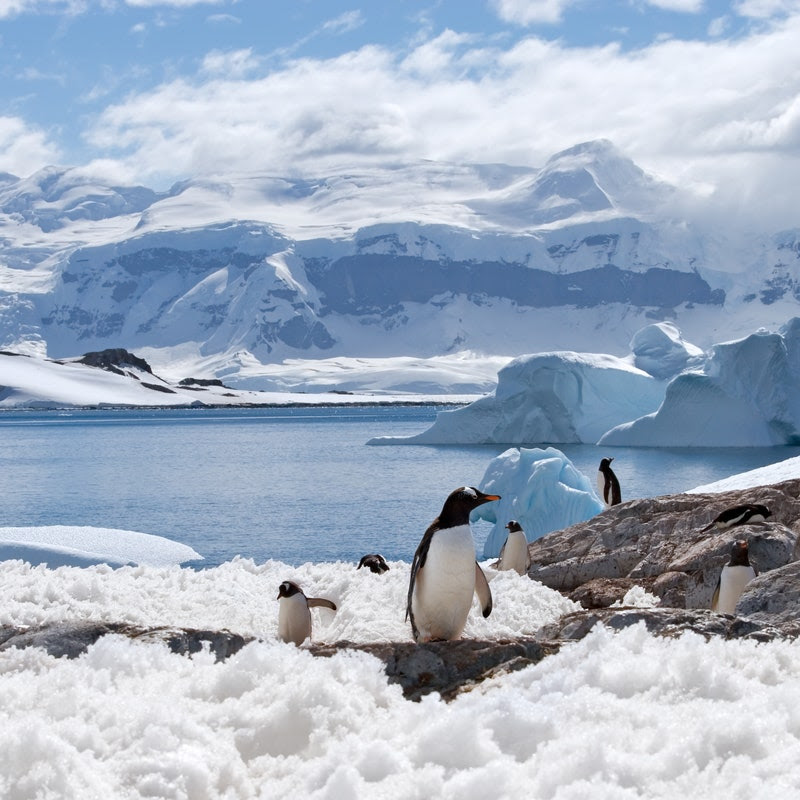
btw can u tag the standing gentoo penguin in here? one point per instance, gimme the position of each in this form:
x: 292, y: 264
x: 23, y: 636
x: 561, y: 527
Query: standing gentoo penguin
x: 738, y: 515
x: 444, y: 572
x: 294, y: 618
x: 514, y: 553
x: 607, y: 483
x: 734, y: 577
x: 374, y: 562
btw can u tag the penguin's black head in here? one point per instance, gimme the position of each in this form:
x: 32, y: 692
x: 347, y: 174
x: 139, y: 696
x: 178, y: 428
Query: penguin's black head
x: 605, y: 463
x: 513, y: 525
x: 740, y: 554
x: 375, y: 562
x: 460, y: 503
x: 288, y: 589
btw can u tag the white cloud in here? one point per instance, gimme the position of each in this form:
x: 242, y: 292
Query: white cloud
x: 348, y: 21
x: 231, y: 64
x: 10, y: 8
x: 686, y: 6
x: 528, y: 12
x: 696, y: 112
x: 765, y: 9
x: 23, y: 149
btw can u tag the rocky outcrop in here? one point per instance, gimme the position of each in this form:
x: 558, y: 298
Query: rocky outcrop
x: 114, y: 359
x: 662, y: 543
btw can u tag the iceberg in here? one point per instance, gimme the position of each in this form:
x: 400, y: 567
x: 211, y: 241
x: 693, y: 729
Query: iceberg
x: 660, y: 350
x: 540, y: 488
x: 83, y: 546
x: 747, y: 395
x: 558, y: 397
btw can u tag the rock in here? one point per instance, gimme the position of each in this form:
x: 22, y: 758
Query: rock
x: 603, y: 592
x: 72, y: 639
x: 669, y: 622
x: 773, y: 597
x: 660, y: 543
x: 114, y: 359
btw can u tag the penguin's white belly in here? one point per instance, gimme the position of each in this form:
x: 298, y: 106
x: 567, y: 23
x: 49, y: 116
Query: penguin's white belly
x: 294, y: 619
x: 731, y: 585
x: 515, y: 554
x: 444, y: 587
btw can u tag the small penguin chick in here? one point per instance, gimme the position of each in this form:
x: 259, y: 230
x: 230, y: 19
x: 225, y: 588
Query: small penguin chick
x: 374, y: 562
x: 294, y: 617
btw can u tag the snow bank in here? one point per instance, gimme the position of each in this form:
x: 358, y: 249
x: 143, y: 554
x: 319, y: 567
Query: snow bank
x: 747, y: 396
x: 611, y: 712
x: 549, y: 397
x: 541, y: 489
x: 80, y: 546
x: 763, y: 476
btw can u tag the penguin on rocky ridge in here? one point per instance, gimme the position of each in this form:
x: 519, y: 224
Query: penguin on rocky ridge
x: 374, y: 562
x: 608, y: 484
x: 735, y: 575
x: 294, y: 617
x: 514, y: 553
x: 739, y: 515
x: 444, y: 572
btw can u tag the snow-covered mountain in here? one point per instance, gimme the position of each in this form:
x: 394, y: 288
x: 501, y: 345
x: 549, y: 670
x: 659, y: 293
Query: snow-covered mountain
x: 426, y: 259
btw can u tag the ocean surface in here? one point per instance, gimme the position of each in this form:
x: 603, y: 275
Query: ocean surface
x: 292, y: 484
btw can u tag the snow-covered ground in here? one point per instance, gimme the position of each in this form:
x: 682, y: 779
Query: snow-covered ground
x: 623, y: 715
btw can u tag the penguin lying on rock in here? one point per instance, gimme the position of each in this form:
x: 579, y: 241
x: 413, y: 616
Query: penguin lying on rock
x: 444, y: 572
x: 514, y: 553
x: 294, y: 617
x: 739, y: 515
x: 374, y: 562
x: 735, y: 575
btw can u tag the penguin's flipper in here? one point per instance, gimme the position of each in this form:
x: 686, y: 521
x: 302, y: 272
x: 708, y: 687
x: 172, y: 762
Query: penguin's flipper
x: 502, y: 550
x: 417, y: 563
x: 321, y: 602
x: 483, y: 591
x: 715, y: 596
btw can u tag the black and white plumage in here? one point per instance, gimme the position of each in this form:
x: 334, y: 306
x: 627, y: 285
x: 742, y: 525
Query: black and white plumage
x: 739, y: 515
x: 444, y: 572
x: 294, y: 617
x: 514, y: 554
x: 374, y: 562
x: 735, y: 575
x: 608, y: 484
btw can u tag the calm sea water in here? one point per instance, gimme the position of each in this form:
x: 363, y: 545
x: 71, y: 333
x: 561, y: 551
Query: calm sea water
x: 294, y: 484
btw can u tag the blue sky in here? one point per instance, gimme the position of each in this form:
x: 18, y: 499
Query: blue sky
x: 702, y: 92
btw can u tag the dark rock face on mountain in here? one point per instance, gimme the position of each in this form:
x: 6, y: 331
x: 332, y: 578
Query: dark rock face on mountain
x: 660, y: 543
x: 115, y: 359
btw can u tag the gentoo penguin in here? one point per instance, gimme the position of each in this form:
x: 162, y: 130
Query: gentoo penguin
x: 374, y: 562
x: 514, y: 553
x: 738, y: 515
x: 444, y: 572
x: 732, y: 580
x: 294, y: 618
x: 607, y: 483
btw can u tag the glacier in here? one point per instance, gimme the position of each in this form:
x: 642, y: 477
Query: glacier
x: 425, y: 260
x: 540, y: 488
x: 746, y: 395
